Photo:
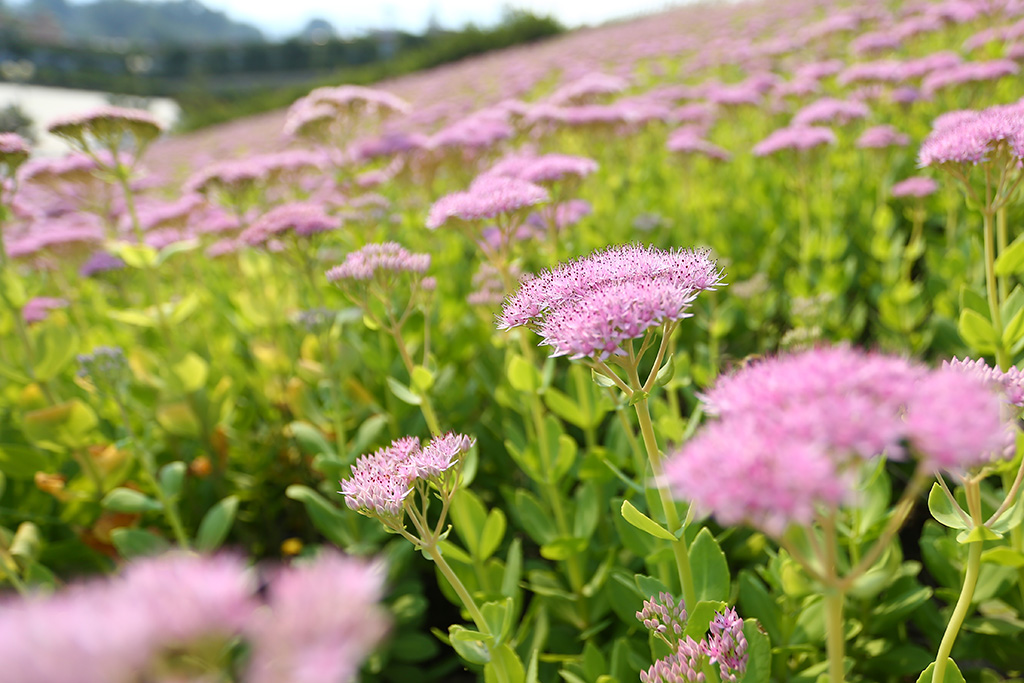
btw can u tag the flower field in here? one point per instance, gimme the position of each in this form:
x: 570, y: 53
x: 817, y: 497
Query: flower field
x: 677, y: 350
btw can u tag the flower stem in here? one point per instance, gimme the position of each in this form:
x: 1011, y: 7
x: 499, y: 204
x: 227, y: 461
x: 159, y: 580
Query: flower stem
x: 679, y: 549
x: 972, y: 489
x: 835, y: 642
x: 426, y: 407
x: 991, y: 290
x: 453, y: 580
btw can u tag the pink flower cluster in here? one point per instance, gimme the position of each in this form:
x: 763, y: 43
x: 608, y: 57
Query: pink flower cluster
x: 591, y: 306
x: 381, y: 481
x: 317, y: 625
x: 373, y: 260
x: 918, y: 186
x: 300, y: 218
x: 488, y: 196
x: 796, y: 138
x: 972, y: 137
x: 543, y: 169
x: 725, y: 645
x: 790, y: 431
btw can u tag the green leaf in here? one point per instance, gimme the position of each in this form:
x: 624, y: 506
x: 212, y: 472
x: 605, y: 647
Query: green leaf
x: 643, y: 522
x: 978, y: 534
x: 588, y: 510
x: 566, y: 456
x: 601, y: 379
x: 325, y: 517
x: 1011, y: 518
x: 533, y: 518
x: 133, y: 316
x: 952, y: 674
x: 172, y: 478
x: 977, y: 332
x: 129, y: 500
x: 709, y: 567
x: 469, y: 644
x: 699, y: 618
x: 566, y: 408
x: 422, y: 379
x: 759, y: 653
x: 469, y: 517
x: 65, y: 424
x: 21, y: 461
x: 182, y: 247
x: 513, y: 573
x: 499, y: 615
x: 131, y: 543
x: 1007, y: 557
x: 943, y: 510
x: 12, y: 289
x: 56, y: 349
x: 1011, y: 261
x: 493, y: 533
x: 523, y: 375
x: 504, y: 659
x: 563, y: 548
x: 178, y: 419
x: 26, y: 543
x: 1014, y: 330
x: 191, y: 372
x: 134, y: 255
x: 216, y: 524
x: 403, y: 393
x: 310, y: 439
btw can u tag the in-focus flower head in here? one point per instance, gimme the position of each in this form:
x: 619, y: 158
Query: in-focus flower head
x: 682, y: 666
x: 380, y: 482
x: 727, y: 645
x: 488, y: 197
x: 590, y: 306
x: 664, y: 617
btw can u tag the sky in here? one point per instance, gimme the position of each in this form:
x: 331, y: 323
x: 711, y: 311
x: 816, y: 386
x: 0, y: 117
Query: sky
x: 279, y: 19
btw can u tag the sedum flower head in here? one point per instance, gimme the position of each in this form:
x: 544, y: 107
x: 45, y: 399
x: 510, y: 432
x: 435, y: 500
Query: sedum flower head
x: 323, y: 621
x: 381, y: 481
x: 918, y: 186
x: 591, y: 306
x: 1009, y: 383
x: 301, y: 219
x: 374, y: 260
x: 727, y: 646
x: 664, y: 617
x: 791, y: 431
x: 108, y: 125
x: 543, y: 169
x: 682, y: 666
x: 795, y: 138
x: 880, y: 137
x: 974, y: 137
x: 488, y: 196
x: 14, y: 151
x: 830, y: 110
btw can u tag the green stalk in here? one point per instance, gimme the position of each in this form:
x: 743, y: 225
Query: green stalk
x: 835, y: 634
x: 963, y: 604
x: 467, y: 600
x: 426, y: 407
x: 1002, y: 241
x: 1002, y: 358
x: 835, y: 643
x: 149, y: 469
x: 679, y: 549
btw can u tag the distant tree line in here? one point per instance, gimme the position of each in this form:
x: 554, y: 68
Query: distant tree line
x: 218, y: 82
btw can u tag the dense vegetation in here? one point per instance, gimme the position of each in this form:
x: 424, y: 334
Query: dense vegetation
x: 631, y: 355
